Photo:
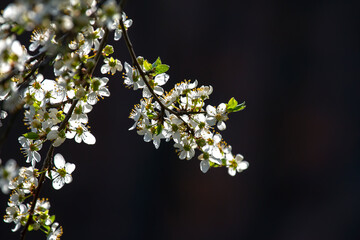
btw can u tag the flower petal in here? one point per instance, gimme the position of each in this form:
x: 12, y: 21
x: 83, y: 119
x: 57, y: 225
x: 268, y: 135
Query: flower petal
x: 147, y: 137
x: 239, y: 157
x: 104, y: 92
x: 210, y: 110
x: 117, y: 35
x: 68, y: 178
x: 157, y: 142
x: 59, y: 161
x: 161, y: 79
x: 204, y: 166
x: 69, y: 167
x: 158, y: 90
x: 231, y: 171
x: 221, y: 108
x: 211, y: 121
x: 221, y: 125
x: 92, y: 98
x: 88, y: 138
x: 58, y: 183
x: 242, y: 166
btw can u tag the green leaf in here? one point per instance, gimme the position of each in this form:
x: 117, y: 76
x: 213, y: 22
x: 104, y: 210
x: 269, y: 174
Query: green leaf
x: 147, y: 65
x: 214, y: 165
x: 232, y: 103
x: 156, y: 63
x: 46, y: 227
x: 162, y: 68
x: 36, y: 105
x: 233, y: 106
x: 239, y: 107
x: 52, y: 218
x: 31, y: 135
x: 159, y: 129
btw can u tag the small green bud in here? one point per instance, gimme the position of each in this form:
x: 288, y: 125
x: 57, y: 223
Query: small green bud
x: 108, y: 50
x: 201, y: 142
x: 140, y: 60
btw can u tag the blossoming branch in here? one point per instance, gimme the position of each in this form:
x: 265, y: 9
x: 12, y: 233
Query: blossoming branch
x: 71, y: 36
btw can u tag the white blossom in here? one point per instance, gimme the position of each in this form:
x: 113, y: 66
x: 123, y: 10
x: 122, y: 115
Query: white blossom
x: 235, y: 164
x: 186, y: 148
x: 155, y: 84
x: 55, y: 232
x: 61, y: 173
x: 30, y: 149
x: 218, y: 115
x: 111, y: 65
x: 133, y: 78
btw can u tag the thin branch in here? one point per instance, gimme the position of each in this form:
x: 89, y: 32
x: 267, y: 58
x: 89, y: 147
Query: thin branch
x: 37, y: 192
x: 137, y: 65
x: 142, y: 74
x: 44, y: 169
x: 101, y: 47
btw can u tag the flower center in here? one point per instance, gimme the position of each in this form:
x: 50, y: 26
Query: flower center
x: 62, y: 172
x: 218, y: 117
x: 187, y: 147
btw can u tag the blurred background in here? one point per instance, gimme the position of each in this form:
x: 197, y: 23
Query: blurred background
x: 297, y: 66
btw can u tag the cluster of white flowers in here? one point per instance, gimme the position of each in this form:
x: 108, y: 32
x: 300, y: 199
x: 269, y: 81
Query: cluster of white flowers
x: 181, y: 115
x: 70, y: 36
x: 7, y: 173
x: 18, y: 213
x: 22, y: 186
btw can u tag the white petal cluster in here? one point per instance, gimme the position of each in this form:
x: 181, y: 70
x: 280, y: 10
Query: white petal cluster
x: 111, y: 65
x: 16, y: 214
x: 23, y: 185
x: 180, y: 115
x: 26, y: 180
x: 67, y: 36
x: 117, y: 27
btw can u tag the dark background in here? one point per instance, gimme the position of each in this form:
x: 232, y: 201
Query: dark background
x: 295, y: 63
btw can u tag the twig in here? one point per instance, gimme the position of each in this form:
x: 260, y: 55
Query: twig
x: 37, y: 192
x: 142, y: 74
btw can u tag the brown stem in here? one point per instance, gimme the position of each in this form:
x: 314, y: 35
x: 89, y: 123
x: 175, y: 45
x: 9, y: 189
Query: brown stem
x: 37, y: 191
x: 142, y: 74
